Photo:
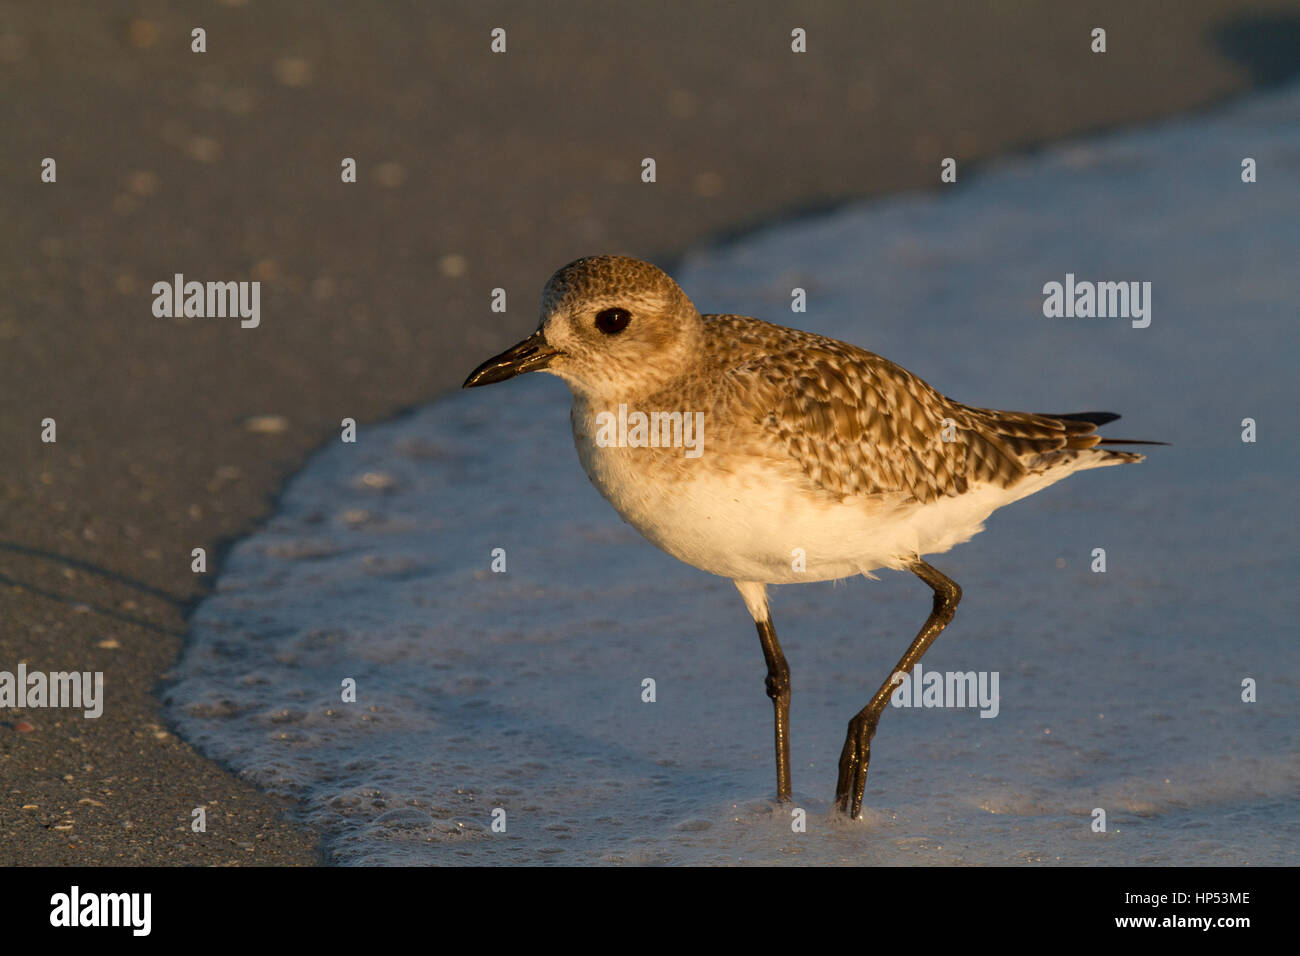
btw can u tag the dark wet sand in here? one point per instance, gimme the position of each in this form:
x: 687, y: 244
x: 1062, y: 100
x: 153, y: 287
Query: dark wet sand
x: 476, y: 171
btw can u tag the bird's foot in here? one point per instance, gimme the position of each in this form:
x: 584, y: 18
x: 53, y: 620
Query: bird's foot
x: 854, y: 759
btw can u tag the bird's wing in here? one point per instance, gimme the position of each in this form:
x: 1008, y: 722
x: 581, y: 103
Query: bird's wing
x: 857, y: 424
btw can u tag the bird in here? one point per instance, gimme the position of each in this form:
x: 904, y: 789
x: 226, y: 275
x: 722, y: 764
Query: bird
x: 772, y: 456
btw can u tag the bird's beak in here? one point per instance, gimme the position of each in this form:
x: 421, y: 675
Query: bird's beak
x: 531, y: 354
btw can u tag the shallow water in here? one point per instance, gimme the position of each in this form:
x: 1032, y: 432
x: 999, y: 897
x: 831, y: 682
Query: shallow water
x: 1122, y: 691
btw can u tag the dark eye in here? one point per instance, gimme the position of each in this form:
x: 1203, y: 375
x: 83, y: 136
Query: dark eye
x: 611, y: 321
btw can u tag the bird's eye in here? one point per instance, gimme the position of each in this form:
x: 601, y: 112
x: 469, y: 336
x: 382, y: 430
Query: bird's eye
x: 612, y: 321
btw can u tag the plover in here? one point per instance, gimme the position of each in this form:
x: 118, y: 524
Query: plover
x: 773, y: 456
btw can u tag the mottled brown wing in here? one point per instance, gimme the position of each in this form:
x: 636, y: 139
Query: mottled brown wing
x: 857, y: 424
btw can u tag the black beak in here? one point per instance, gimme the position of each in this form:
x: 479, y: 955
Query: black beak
x: 528, y: 356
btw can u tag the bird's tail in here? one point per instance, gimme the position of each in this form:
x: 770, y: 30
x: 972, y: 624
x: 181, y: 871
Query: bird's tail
x: 1101, y: 418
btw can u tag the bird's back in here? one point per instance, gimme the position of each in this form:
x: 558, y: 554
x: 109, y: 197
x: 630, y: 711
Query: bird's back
x: 858, y: 424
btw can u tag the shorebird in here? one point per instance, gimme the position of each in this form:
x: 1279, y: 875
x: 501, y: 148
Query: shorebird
x: 772, y: 456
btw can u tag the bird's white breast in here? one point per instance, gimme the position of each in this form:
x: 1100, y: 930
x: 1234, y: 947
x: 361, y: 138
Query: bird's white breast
x: 754, y: 519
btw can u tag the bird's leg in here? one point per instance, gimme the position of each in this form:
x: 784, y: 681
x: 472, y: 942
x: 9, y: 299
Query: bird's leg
x: 857, y: 744
x: 778, y: 688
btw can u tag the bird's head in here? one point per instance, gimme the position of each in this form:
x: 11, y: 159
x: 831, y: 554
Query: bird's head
x: 609, y: 325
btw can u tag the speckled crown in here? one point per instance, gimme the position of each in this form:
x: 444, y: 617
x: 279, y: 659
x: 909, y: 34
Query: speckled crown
x: 612, y: 277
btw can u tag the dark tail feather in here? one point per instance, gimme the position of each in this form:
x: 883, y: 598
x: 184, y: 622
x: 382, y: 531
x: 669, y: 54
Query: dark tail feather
x: 1101, y: 418
x: 1096, y: 418
x: 1129, y: 441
